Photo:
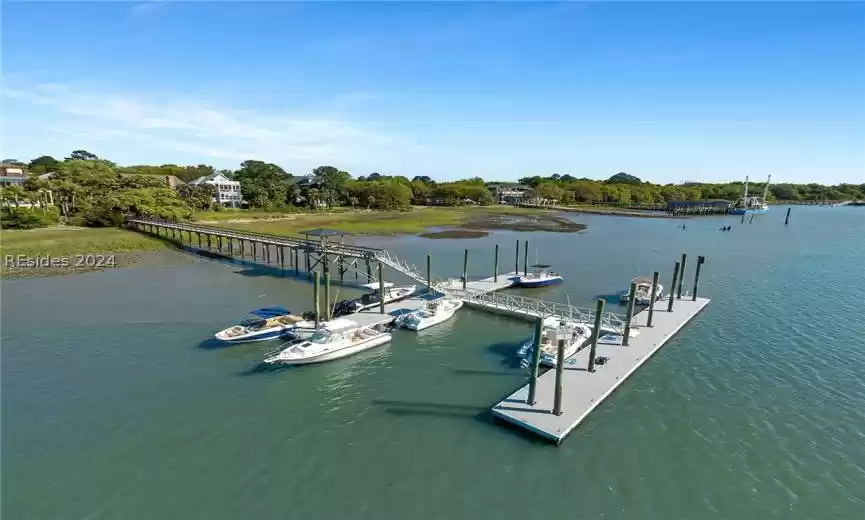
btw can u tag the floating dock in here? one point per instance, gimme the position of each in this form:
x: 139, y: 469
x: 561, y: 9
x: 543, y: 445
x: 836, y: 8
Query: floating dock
x: 582, y: 390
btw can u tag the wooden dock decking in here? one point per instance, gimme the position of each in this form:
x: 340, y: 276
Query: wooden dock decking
x: 583, y: 390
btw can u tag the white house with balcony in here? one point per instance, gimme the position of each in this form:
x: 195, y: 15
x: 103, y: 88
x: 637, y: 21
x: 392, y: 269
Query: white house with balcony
x: 226, y: 191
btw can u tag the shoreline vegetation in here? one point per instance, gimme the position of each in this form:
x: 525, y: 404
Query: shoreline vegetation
x: 126, y: 247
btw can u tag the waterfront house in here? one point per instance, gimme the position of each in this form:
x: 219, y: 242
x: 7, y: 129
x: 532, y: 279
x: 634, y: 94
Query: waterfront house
x: 510, y: 192
x: 12, y: 175
x: 226, y: 191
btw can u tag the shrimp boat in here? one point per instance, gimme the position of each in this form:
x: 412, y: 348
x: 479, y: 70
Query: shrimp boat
x: 751, y: 205
x: 433, y: 313
x: 644, y: 288
x: 575, y: 335
x: 542, y: 277
x: 259, y: 325
x: 333, y: 340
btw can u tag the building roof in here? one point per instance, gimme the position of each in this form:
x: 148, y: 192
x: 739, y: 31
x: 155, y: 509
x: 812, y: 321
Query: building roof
x: 212, y: 176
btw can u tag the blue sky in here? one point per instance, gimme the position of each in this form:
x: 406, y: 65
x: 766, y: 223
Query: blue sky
x: 666, y: 91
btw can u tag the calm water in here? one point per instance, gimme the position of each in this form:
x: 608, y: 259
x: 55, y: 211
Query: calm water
x: 113, y: 410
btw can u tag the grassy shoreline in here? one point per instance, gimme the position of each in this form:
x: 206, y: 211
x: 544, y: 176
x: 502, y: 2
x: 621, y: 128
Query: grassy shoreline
x: 71, y: 243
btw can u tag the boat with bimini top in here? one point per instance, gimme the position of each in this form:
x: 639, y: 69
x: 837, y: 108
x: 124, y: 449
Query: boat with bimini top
x: 432, y: 313
x: 574, y: 333
x: 644, y: 288
x: 542, y: 277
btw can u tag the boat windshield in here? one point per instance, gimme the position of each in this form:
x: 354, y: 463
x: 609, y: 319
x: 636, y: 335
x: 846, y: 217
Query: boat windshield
x: 321, y: 336
x: 253, y: 322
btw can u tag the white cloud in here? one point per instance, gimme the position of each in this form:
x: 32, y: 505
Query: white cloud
x: 202, y: 131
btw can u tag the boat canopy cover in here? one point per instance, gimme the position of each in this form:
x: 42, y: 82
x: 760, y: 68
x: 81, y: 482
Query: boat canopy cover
x: 270, y: 312
x: 375, y: 285
x: 641, y: 280
x: 541, y: 266
x: 340, y: 324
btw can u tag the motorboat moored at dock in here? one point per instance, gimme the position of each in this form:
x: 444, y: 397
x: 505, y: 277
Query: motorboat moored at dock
x: 390, y: 294
x: 259, y: 325
x: 542, y: 277
x: 432, y: 313
x: 644, y: 288
x: 575, y: 335
x: 332, y: 340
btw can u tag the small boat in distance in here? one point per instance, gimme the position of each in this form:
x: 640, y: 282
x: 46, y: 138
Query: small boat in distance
x: 575, y: 335
x: 432, y: 313
x: 542, y: 277
x: 259, y: 325
x: 751, y: 205
x: 644, y: 288
x: 333, y: 340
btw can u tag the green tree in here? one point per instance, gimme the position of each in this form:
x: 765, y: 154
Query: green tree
x: 82, y: 155
x: 42, y: 164
x: 623, y: 178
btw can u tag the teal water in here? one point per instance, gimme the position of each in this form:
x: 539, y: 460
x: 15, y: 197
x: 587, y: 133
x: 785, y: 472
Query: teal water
x: 111, y: 408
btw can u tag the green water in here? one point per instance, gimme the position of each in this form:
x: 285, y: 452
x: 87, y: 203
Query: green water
x: 113, y: 410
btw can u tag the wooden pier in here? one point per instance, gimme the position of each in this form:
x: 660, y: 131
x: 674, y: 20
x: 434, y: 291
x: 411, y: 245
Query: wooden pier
x: 582, y: 390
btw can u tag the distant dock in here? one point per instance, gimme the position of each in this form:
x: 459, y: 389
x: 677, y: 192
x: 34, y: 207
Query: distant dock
x: 583, y: 391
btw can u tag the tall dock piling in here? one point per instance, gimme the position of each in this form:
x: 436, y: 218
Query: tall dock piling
x: 315, y: 284
x: 517, y: 260
x: 429, y: 273
x: 673, y: 292
x: 632, y: 298
x: 787, y: 218
x: 465, y: 269
x: 327, y: 315
x: 526, y: 259
x: 381, y: 288
x: 700, y: 260
x: 681, y: 276
x: 596, y: 332
x: 536, y: 359
x: 496, y: 266
x: 654, y: 290
x: 560, y: 371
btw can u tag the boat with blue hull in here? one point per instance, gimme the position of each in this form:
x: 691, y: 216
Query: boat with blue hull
x: 260, y: 325
x: 751, y: 205
x: 542, y: 277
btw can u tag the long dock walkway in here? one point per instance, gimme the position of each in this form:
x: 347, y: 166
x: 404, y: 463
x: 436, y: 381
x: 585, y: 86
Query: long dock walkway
x: 584, y: 390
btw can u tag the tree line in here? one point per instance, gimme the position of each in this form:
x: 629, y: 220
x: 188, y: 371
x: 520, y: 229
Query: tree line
x: 88, y: 190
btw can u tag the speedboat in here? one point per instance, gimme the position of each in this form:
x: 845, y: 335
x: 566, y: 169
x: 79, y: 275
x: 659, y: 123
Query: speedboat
x: 574, y: 333
x: 644, y: 288
x: 260, y: 325
x: 540, y: 278
x: 432, y: 313
x: 390, y: 294
x: 333, y: 340
x: 751, y: 205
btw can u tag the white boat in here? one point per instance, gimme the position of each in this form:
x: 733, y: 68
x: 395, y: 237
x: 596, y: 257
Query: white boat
x: 432, y: 313
x: 644, y: 288
x: 260, y: 325
x: 333, y: 340
x: 751, y: 205
x: 574, y: 333
x: 542, y: 277
x: 391, y: 293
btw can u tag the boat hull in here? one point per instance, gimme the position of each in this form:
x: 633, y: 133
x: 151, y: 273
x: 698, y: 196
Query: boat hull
x: 540, y: 283
x: 426, y: 323
x: 262, y: 335
x: 748, y: 211
x: 336, y: 354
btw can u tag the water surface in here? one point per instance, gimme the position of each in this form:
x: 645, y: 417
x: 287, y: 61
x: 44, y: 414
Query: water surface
x: 113, y: 408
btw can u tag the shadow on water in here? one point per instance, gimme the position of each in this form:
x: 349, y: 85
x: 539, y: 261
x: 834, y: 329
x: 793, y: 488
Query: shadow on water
x: 420, y: 408
x: 213, y: 343
x: 473, y: 372
x: 508, y: 352
x: 610, y: 299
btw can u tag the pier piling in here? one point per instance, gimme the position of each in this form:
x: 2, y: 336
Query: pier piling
x: 626, y: 337
x: 560, y: 371
x: 517, y: 260
x: 296, y: 262
x: 681, y: 276
x: 242, y: 247
x: 381, y: 288
x: 267, y: 253
x: 596, y: 332
x: 465, y: 269
x: 315, y: 284
x: 327, y: 315
x: 700, y: 260
x: 280, y: 253
x: 654, y: 289
x: 208, y: 242
x: 536, y: 358
x: 496, y: 266
x: 429, y: 273
x: 787, y: 218
x: 673, y: 292
x: 254, y: 250
x: 526, y: 259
